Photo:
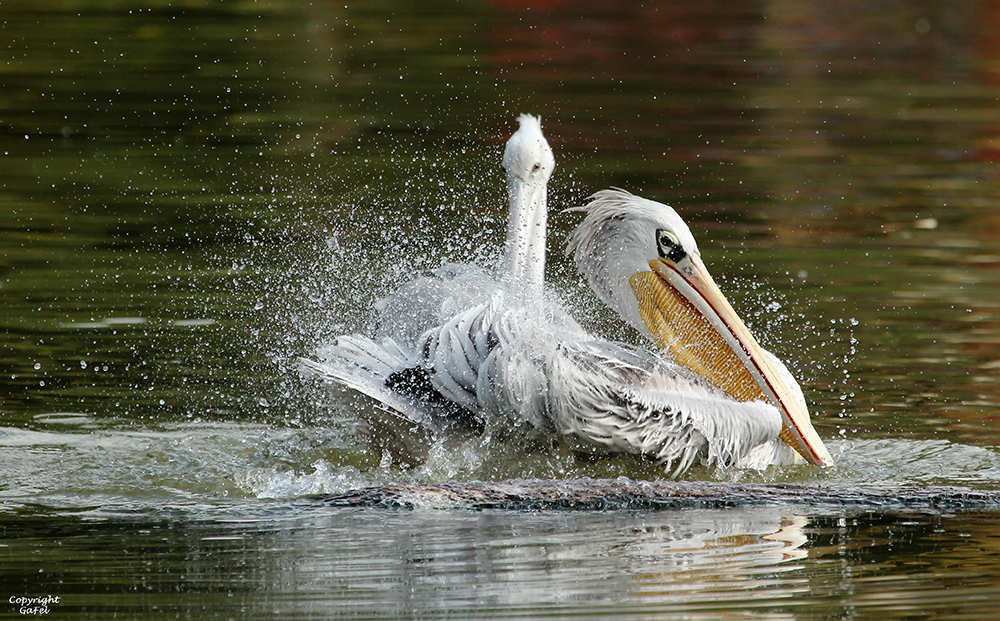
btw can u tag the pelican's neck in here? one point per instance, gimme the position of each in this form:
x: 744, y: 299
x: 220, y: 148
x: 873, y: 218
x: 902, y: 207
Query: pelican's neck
x: 524, y: 259
x: 528, y: 162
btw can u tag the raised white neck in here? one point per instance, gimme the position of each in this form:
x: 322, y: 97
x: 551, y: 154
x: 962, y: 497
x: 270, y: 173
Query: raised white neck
x: 528, y: 162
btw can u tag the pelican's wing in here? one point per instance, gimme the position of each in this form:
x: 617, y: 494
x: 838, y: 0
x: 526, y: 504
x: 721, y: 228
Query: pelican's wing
x: 447, y: 380
x: 454, y: 373
x: 490, y: 357
x: 359, y: 363
x: 388, y: 374
x: 630, y: 401
x: 513, y: 381
x: 453, y: 353
x: 429, y: 301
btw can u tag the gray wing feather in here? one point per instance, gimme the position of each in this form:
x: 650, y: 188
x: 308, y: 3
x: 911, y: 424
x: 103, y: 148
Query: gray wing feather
x: 626, y: 401
x: 360, y: 363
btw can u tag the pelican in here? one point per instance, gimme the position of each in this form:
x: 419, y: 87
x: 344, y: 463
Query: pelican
x: 460, y: 347
x: 641, y: 259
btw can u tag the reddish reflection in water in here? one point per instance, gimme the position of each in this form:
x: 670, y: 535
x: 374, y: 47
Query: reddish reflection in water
x: 644, y: 73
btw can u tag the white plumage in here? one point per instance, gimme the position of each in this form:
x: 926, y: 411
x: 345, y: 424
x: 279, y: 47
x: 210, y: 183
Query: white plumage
x: 459, y: 345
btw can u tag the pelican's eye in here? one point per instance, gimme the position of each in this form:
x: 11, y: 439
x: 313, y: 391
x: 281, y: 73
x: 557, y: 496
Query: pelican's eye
x: 536, y: 166
x: 669, y: 246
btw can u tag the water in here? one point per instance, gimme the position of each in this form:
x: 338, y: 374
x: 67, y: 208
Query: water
x: 190, y: 198
x: 284, y: 563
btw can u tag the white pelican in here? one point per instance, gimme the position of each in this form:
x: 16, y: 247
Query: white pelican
x: 642, y: 260
x: 457, y: 346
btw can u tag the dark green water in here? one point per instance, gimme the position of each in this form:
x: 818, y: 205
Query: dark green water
x: 193, y: 196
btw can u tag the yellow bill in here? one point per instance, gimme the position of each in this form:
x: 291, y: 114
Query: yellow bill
x: 688, y: 316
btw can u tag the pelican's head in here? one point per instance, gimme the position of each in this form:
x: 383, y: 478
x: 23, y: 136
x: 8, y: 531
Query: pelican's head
x: 528, y: 156
x: 529, y: 163
x: 641, y: 259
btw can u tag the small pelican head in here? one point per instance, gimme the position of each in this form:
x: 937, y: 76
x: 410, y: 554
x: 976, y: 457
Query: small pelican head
x: 528, y: 156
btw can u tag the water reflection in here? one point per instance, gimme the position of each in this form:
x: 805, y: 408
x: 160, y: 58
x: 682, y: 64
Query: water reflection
x: 412, y: 564
x: 632, y: 561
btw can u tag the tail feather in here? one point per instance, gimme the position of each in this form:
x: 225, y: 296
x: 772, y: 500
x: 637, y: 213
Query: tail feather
x: 388, y: 374
x: 361, y: 364
x: 376, y: 358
